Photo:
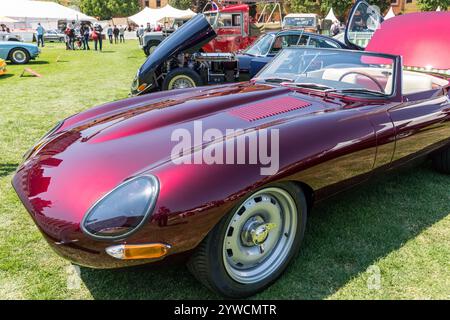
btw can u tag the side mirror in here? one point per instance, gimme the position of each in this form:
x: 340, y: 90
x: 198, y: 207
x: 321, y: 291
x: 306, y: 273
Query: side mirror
x: 363, y: 21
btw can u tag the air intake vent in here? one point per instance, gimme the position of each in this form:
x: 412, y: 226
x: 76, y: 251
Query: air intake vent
x: 268, y: 108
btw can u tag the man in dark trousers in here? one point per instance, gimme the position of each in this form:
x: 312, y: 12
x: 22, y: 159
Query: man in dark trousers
x: 85, y: 36
x: 116, y: 32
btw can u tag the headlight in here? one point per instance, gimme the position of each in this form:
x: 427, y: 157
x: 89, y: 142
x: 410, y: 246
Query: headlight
x: 135, y: 84
x: 123, y: 210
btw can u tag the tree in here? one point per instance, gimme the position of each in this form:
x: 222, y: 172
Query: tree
x: 431, y: 5
x: 304, y: 6
x: 106, y: 9
x: 382, y: 4
x: 198, y: 5
x: 181, y: 4
x: 340, y: 7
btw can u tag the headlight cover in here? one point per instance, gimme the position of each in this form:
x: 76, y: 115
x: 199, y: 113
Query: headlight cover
x: 122, y: 211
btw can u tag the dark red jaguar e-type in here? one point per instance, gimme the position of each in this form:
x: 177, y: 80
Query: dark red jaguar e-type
x: 230, y: 172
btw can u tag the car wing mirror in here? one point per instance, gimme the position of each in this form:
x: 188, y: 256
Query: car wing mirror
x: 363, y: 21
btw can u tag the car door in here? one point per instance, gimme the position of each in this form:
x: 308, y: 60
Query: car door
x: 320, y: 42
x: 229, y: 32
x: 421, y: 126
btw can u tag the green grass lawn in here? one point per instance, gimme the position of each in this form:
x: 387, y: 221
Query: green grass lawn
x: 399, y: 225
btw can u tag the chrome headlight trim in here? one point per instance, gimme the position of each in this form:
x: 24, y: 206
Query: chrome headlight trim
x: 151, y: 206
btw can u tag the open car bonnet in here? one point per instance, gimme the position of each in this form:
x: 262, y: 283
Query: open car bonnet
x: 190, y: 37
x: 421, y: 39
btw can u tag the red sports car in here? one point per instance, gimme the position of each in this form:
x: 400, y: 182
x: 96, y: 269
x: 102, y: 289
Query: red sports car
x: 229, y: 173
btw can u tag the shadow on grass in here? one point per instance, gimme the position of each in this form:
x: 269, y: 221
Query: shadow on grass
x: 345, y: 235
x: 37, y: 62
x: 7, y: 75
x: 7, y: 168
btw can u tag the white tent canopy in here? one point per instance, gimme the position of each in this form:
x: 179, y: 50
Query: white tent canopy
x: 390, y: 14
x: 331, y: 16
x: 153, y: 16
x: 7, y: 20
x: 438, y: 8
x: 32, y: 12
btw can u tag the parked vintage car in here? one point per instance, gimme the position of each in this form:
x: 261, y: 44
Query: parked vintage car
x: 18, y: 52
x: 178, y: 63
x: 150, y: 40
x: 256, y: 56
x: 54, y: 36
x: 2, y: 67
x: 111, y: 187
x: 8, y: 36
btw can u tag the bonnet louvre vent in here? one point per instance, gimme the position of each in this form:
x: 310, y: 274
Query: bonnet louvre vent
x: 268, y: 108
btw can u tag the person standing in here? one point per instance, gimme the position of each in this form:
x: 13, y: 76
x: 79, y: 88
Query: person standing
x: 109, y: 32
x: 40, y: 35
x: 140, y: 34
x: 85, y: 37
x: 116, y: 34
x: 122, y: 34
x: 335, y: 28
x: 98, y: 39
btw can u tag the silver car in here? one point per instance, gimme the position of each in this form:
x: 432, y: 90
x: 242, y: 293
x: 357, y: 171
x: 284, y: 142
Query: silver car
x: 53, y: 36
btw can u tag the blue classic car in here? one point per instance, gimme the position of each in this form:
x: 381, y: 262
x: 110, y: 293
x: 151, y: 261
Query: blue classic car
x: 18, y: 52
x: 265, y: 48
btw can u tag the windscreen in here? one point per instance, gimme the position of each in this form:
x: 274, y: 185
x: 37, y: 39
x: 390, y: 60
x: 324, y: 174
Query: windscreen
x: 350, y: 72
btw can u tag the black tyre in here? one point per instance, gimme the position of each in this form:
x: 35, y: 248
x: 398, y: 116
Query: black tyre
x: 181, y: 78
x: 19, y: 56
x: 441, y: 161
x: 252, y: 246
x: 151, y: 46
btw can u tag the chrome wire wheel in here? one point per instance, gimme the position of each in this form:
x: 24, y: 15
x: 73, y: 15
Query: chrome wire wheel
x: 19, y: 56
x: 181, y: 82
x: 260, y: 235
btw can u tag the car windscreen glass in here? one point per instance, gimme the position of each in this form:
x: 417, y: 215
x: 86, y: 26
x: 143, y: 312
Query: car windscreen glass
x: 261, y: 47
x: 300, y: 21
x: 349, y: 72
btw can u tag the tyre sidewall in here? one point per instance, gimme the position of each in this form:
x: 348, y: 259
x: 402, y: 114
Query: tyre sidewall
x: 220, y: 280
x: 194, y: 76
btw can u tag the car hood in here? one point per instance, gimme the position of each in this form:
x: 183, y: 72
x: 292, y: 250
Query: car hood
x: 17, y: 44
x: 190, y: 37
x: 425, y: 40
x: 113, y: 142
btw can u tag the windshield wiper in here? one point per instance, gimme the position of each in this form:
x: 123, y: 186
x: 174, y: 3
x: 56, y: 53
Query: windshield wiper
x: 314, y: 86
x: 277, y: 80
x: 360, y: 91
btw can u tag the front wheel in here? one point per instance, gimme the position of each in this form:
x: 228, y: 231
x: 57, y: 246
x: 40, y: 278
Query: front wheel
x: 19, y: 56
x: 251, y: 247
x: 181, y: 78
x: 151, y: 46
